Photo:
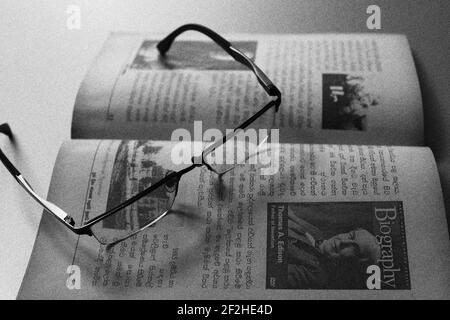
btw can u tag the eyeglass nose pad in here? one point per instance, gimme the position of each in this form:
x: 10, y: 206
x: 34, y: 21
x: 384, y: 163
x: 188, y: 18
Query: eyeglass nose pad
x: 6, y: 129
x: 197, y: 160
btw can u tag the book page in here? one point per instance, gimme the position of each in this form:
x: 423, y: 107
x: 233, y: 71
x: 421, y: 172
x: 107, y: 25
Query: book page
x: 336, y: 88
x: 334, y: 221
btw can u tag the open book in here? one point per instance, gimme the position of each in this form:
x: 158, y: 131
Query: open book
x: 355, y: 209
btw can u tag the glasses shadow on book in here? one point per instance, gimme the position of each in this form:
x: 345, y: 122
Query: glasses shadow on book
x: 183, y: 254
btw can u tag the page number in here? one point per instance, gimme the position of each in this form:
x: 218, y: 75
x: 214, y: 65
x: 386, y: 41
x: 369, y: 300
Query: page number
x: 373, y: 22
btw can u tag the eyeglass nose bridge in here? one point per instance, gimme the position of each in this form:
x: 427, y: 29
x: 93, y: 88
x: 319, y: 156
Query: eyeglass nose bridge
x: 199, y: 161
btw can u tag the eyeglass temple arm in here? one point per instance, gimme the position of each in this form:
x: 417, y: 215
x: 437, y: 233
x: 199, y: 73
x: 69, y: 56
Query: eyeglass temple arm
x: 165, y: 44
x: 63, y: 216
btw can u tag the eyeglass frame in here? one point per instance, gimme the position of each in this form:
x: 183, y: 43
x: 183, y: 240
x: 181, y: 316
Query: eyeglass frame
x: 163, y: 47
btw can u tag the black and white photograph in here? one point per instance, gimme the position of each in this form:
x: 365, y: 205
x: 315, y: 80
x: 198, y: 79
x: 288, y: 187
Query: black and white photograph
x: 330, y: 118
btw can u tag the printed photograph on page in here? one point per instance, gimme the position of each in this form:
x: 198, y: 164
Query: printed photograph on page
x: 331, y: 245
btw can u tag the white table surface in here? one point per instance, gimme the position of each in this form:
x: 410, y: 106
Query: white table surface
x: 42, y: 64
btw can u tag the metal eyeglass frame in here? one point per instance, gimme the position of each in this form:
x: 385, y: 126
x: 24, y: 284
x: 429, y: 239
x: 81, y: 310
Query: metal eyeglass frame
x: 163, y: 46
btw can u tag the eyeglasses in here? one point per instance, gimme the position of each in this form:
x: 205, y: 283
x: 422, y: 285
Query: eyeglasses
x: 165, y: 190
